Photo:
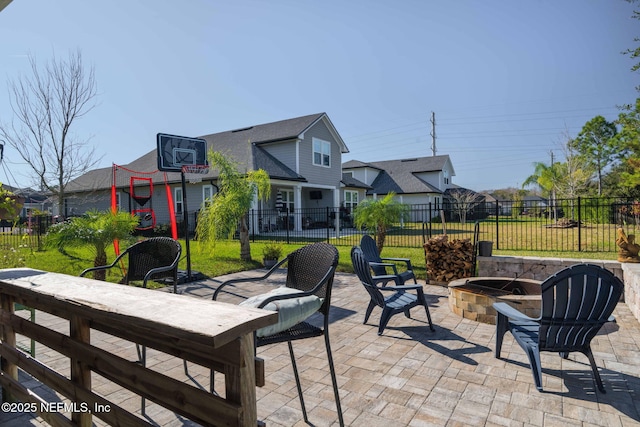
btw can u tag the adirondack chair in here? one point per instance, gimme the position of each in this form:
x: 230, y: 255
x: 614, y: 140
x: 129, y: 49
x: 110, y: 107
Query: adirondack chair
x: 399, y: 299
x: 386, y: 266
x: 576, y: 302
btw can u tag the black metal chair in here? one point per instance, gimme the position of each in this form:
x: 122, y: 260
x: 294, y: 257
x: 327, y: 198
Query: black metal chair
x: 401, y: 299
x: 310, y: 273
x: 379, y: 265
x: 150, y: 259
x: 576, y: 302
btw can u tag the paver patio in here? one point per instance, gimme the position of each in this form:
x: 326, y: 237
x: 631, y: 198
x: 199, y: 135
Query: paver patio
x: 409, y: 376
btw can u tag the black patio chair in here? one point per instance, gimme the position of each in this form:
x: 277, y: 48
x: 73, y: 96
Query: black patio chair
x: 576, y: 302
x: 154, y: 258
x: 308, y: 285
x: 401, y: 299
x: 380, y: 265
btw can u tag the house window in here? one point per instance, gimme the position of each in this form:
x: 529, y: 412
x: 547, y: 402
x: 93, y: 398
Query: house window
x: 350, y: 199
x: 118, y: 200
x: 287, y: 200
x: 446, y: 177
x: 321, y: 153
x: 207, y: 193
x: 177, y: 200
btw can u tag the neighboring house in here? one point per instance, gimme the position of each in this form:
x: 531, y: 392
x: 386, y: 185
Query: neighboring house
x: 415, y: 181
x: 303, y: 157
x: 495, y: 205
x: 534, y: 205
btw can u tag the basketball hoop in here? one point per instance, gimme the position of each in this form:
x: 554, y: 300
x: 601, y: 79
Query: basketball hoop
x: 194, y: 173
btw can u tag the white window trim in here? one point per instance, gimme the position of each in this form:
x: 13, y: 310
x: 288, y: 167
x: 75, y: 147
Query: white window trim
x: 178, y: 201
x: 352, y: 192
x: 204, y: 192
x: 323, y: 143
x: 288, y: 199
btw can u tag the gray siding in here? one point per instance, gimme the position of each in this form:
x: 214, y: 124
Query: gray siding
x: 81, y: 203
x: 284, y: 152
x: 78, y: 204
x: 319, y: 174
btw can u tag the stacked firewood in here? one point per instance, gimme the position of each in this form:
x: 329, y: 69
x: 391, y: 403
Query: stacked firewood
x: 448, y: 260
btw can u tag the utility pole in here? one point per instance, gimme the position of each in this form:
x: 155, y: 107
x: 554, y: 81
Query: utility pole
x: 553, y: 214
x: 433, y: 133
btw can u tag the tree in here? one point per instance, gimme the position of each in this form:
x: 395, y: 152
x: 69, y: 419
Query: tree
x: 45, y: 106
x: 463, y: 202
x: 10, y: 204
x: 545, y: 177
x: 629, y: 139
x: 227, y: 211
x: 596, y: 142
x: 96, y: 229
x: 379, y: 215
x: 574, y: 175
x: 635, y: 52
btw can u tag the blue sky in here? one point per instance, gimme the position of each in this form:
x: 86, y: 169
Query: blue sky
x: 507, y: 80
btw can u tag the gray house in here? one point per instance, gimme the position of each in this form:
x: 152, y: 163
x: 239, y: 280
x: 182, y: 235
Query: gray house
x: 303, y: 157
x: 415, y: 181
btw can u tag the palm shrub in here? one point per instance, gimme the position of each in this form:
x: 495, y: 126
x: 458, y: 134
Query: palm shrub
x: 97, y: 229
x: 379, y: 215
x: 227, y: 210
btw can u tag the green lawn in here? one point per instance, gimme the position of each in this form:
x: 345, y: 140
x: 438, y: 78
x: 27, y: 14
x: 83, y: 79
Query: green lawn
x: 224, y: 258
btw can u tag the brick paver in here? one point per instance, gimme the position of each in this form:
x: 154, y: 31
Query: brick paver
x: 410, y: 375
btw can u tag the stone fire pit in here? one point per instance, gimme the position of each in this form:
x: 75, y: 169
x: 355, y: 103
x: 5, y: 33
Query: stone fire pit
x: 473, y: 297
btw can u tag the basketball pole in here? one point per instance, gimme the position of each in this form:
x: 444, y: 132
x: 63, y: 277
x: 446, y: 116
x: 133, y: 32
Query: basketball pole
x: 185, y: 216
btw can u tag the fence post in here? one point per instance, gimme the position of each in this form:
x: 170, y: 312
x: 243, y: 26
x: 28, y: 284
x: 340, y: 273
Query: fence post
x: 252, y: 221
x: 328, y: 222
x: 498, y: 225
x: 579, y: 223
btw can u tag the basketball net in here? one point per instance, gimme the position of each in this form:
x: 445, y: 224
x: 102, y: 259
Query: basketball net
x: 194, y: 173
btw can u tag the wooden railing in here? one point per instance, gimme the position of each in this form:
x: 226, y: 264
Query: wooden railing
x: 215, y: 335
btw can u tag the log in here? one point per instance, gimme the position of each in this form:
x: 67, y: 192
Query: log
x: 448, y: 260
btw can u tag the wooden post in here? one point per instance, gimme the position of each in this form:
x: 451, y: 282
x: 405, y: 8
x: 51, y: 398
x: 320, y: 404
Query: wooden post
x: 80, y: 331
x: 8, y: 339
x: 240, y: 383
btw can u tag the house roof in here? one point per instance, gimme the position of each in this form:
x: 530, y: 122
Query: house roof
x: 282, y: 130
x: 244, y: 145
x: 401, y: 176
x: 351, y: 164
x: 350, y: 181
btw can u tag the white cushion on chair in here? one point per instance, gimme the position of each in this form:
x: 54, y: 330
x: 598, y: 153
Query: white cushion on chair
x: 290, y: 311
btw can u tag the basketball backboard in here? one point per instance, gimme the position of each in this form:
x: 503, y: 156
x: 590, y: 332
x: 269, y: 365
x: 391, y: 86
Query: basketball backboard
x: 177, y: 151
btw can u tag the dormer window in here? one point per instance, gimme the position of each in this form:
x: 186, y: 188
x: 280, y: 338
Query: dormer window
x: 321, y: 153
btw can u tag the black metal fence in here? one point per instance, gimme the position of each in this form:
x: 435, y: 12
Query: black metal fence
x: 26, y: 232
x: 566, y: 225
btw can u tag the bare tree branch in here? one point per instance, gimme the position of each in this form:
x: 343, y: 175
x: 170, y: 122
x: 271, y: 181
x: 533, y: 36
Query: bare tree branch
x: 45, y: 106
